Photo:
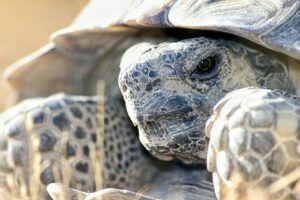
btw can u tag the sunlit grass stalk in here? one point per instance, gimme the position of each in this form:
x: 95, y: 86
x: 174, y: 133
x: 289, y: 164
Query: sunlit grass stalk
x: 97, y: 153
x: 64, y: 175
x: 34, y: 158
x: 285, y: 181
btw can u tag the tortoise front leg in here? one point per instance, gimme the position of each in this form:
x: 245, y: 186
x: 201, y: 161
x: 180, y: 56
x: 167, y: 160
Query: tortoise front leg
x: 59, y: 192
x: 254, y: 145
x: 56, y: 139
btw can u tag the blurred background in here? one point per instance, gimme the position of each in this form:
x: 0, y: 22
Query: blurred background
x: 26, y: 26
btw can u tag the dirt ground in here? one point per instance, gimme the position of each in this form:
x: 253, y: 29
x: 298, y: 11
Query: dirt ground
x: 26, y: 25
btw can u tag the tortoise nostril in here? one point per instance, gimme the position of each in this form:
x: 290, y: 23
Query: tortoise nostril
x: 150, y: 123
x: 124, y: 88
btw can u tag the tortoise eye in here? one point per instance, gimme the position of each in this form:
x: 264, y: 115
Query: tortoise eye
x: 205, y: 69
x: 206, y: 64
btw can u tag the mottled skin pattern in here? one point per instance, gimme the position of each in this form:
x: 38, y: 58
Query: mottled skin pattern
x: 170, y: 100
x: 65, y: 128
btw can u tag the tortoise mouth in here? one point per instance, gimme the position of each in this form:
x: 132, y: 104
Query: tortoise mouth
x: 170, y: 137
x: 171, y: 124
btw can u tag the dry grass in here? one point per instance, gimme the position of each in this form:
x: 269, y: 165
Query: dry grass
x: 97, y: 152
x: 293, y: 176
x: 239, y: 192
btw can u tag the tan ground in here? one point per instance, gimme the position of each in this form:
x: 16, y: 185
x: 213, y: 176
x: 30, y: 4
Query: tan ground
x: 26, y: 25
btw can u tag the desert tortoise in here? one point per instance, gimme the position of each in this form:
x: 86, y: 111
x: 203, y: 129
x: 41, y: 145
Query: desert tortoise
x: 76, y: 44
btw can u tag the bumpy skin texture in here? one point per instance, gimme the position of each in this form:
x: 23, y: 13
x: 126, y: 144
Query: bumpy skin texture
x: 254, y: 134
x: 62, y: 130
x: 169, y: 99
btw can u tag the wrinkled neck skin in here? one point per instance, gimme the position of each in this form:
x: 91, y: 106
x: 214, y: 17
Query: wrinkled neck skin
x: 170, y: 100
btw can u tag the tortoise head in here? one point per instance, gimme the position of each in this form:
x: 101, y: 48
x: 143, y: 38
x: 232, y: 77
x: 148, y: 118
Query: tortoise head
x: 170, y: 89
